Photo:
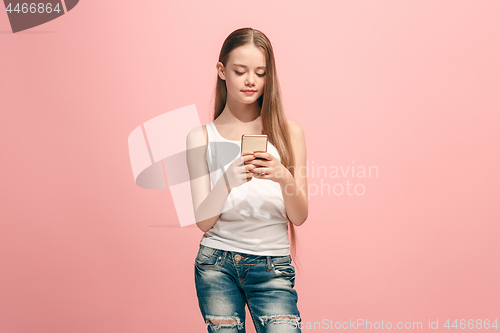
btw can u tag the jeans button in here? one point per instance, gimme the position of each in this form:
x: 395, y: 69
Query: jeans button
x: 237, y: 257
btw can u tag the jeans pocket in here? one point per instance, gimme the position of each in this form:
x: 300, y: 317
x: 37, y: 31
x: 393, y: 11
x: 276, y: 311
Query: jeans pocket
x: 283, y: 269
x: 206, y: 257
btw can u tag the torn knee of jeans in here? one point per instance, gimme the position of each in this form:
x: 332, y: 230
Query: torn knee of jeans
x: 280, y: 319
x: 217, y: 322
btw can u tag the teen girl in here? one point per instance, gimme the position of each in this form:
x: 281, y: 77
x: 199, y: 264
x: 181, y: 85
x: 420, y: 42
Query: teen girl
x: 254, y: 201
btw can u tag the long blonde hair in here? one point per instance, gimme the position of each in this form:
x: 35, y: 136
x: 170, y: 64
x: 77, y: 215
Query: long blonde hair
x: 274, y: 122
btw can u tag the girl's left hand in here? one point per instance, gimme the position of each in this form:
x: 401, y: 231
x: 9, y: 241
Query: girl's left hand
x: 269, y: 168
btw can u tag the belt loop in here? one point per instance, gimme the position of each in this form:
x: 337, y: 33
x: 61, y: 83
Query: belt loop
x: 268, y: 263
x: 223, y: 255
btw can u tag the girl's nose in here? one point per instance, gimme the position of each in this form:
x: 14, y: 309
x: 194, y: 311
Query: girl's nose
x: 251, y: 80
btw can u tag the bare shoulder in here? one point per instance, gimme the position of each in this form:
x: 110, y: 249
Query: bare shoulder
x: 197, y: 137
x: 298, y: 140
x: 296, y: 130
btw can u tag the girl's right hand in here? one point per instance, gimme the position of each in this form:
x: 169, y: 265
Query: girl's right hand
x: 238, y: 172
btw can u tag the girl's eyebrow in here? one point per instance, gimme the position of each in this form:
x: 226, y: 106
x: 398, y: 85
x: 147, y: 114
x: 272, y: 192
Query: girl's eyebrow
x: 247, y: 67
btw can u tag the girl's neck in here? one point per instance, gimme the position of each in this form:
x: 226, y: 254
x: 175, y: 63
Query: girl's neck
x: 235, y: 112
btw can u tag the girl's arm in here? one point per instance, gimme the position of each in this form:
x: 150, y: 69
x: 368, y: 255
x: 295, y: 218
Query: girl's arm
x: 207, y: 204
x: 294, y: 189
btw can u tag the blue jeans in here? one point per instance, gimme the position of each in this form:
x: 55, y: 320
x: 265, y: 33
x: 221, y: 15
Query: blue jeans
x: 226, y: 280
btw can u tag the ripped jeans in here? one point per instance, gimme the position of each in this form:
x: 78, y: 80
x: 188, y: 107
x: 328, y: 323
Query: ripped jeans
x: 226, y: 280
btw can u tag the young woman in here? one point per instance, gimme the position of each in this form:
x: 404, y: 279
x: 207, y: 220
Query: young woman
x: 256, y: 200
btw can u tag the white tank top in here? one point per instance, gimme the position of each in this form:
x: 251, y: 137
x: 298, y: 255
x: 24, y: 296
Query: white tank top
x: 253, y: 219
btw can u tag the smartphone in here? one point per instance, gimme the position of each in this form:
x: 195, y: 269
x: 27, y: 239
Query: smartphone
x: 253, y: 143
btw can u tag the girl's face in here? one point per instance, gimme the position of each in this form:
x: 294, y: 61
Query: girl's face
x: 245, y: 71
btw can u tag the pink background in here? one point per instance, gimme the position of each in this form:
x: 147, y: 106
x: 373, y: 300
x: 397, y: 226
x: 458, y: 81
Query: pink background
x: 409, y: 87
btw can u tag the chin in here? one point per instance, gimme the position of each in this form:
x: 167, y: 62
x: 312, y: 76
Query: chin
x: 249, y: 102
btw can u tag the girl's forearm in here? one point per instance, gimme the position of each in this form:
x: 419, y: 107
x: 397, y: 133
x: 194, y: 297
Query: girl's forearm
x: 295, y: 200
x: 209, y: 210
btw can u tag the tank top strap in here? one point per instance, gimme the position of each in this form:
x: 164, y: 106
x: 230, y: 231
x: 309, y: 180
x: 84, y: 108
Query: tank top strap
x: 211, y: 132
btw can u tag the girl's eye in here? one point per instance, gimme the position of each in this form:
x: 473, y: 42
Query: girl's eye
x: 240, y: 73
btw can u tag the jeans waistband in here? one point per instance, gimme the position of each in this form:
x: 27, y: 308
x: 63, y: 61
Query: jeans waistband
x: 245, y: 258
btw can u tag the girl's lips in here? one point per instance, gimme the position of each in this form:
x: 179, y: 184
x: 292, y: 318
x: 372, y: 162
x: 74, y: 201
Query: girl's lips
x: 249, y: 92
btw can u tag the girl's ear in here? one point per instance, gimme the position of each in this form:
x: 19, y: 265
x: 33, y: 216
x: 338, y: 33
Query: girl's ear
x: 220, y: 70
